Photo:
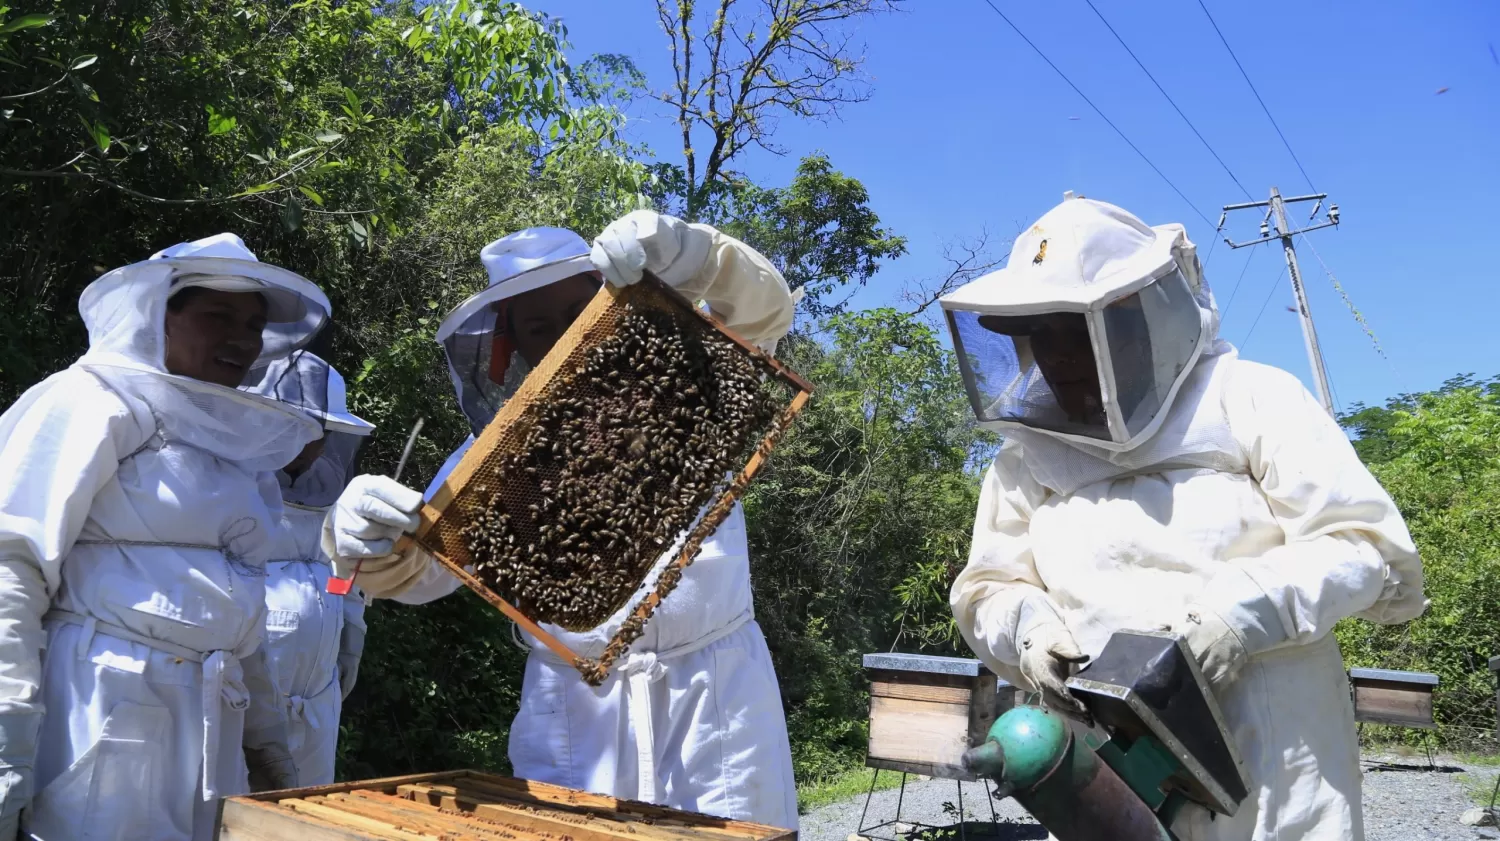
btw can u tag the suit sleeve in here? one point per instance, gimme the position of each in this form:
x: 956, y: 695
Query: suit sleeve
x: 999, y: 596
x: 1346, y: 549
x: 59, y: 445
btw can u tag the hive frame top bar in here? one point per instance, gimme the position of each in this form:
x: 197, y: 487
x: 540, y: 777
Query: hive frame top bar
x: 462, y: 472
x: 786, y: 374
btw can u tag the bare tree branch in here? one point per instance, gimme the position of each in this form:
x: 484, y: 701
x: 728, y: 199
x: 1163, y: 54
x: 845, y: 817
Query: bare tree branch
x: 968, y: 260
x: 765, y: 58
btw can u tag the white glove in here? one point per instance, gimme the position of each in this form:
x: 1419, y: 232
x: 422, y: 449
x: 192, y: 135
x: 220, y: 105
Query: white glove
x: 644, y: 240
x: 369, y: 516
x: 361, y: 532
x: 1231, y: 620
x: 1220, y: 651
x: 351, y: 649
x: 271, y: 767
x: 1048, y: 654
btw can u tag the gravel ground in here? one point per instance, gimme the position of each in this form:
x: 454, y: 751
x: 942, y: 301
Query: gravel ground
x: 1404, y: 801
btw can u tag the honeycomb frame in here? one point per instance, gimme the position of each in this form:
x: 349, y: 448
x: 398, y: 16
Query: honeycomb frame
x: 458, y: 500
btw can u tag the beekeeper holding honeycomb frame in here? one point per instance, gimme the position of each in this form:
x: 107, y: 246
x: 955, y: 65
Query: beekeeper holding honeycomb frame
x: 692, y: 718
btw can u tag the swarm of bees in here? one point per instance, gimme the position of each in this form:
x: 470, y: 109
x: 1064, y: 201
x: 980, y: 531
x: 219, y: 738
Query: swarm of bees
x: 619, y: 460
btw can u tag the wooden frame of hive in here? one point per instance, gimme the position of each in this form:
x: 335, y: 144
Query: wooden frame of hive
x: 439, y: 538
x: 926, y: 711
x: 466, y: 806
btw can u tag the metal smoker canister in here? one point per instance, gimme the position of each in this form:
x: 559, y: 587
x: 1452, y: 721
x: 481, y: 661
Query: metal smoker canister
x: 1032, y: 754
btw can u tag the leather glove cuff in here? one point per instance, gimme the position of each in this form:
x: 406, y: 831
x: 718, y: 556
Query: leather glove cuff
x: 1035, y: 611
x: 1242, y: 606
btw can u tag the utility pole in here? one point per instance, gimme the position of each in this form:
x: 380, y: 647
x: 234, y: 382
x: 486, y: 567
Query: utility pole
x: 1276, y: 209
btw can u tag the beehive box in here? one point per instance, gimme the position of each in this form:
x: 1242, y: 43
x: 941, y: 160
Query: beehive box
x: 926, y: 711
x: 623, y: 438
x: 1495, y: 670
x: 467, y: 806
x: 1403, y: 699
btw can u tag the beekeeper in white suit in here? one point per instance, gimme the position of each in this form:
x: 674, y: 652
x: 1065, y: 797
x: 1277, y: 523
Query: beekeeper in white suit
x: 137, y: 511
x: 692, y: 718
x: 1152, y: 479
x: 314, y: 639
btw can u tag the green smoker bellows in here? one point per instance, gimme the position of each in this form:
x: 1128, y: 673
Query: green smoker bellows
x: 1160, y: 743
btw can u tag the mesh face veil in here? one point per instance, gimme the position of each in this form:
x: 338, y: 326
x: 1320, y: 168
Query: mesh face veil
x: 125, y: 313
x: 307, y: 383
x: 483, y: 363
x: 1088, y: 332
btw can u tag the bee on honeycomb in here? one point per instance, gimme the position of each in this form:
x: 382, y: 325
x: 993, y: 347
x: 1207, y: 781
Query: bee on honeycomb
x: 619, y: 458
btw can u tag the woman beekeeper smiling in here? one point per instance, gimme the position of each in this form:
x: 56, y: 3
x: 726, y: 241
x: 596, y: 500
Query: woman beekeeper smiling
x: 137, y: 505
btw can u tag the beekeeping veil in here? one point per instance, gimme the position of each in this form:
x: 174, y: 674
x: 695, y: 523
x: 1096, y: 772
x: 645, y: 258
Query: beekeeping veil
x: 125, y: 313
x: 482, y: 360
x: 1088, y: 333
x: 307, y: 383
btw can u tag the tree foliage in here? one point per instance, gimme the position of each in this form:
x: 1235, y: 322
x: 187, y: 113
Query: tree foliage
x: 313, y: 129
x: 738, y: 67
x: 1438, y: 454
x: 820, y: 231
x: 861, y: 520
x: 375, y: 146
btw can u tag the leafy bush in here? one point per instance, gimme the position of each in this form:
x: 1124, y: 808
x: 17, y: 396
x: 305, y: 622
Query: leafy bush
x: 1438, y: 454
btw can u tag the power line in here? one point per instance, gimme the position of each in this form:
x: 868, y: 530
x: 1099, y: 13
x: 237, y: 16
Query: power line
x: 1237, y: 283
x: 1277, y: 282
x: 1171, y: 101
x: 1262, y: 102
x: 1101, y: 114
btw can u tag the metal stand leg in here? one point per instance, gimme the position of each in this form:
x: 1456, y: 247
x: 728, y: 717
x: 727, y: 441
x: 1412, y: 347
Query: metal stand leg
x: 900, y: 797
x: 963, y: 821
x: 874, y: 778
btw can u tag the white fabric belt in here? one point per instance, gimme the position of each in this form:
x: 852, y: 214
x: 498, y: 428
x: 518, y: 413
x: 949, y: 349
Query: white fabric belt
x: 641, y: 669
x: 302, y: 706
x: 223, y: 682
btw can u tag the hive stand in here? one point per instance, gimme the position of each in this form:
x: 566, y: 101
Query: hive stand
x: 1397, y: 699
x: 924, y: 713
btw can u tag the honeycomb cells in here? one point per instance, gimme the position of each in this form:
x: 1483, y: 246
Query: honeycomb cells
x: 629, y: 443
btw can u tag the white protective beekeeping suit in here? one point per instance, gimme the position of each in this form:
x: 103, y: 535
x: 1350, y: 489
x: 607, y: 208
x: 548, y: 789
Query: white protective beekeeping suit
x: 314, y: 639
x: 692, y: 718
x: 1193, y: 490
x: 137, y: 510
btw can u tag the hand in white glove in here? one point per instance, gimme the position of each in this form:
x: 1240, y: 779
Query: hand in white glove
x: 644, y: 240
x: 271, y: 767
x: 351, y: 648
x: 1048, y: 654
x: 370, y: 515
x: 1220, y: 651
x: 361, y: 532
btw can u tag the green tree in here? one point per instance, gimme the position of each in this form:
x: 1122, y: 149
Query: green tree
x: 742, y: 66
x: 311, y: 129
x: 867, y: 491
x: 820, y: 231
x: 1438, y: 454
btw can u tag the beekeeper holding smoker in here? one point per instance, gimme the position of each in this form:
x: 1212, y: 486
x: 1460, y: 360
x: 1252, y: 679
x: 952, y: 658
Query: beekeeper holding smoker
x: 1152, y: 479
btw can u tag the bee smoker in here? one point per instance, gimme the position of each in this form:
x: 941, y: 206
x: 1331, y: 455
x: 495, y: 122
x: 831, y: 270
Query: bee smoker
x: 1160, y: 742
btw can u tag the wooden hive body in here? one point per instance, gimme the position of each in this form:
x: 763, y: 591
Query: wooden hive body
x: 926, y: 711
x: 467, y: 806
x: 1402, y: 699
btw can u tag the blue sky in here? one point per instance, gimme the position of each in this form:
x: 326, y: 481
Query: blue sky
x: 968, y: 130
